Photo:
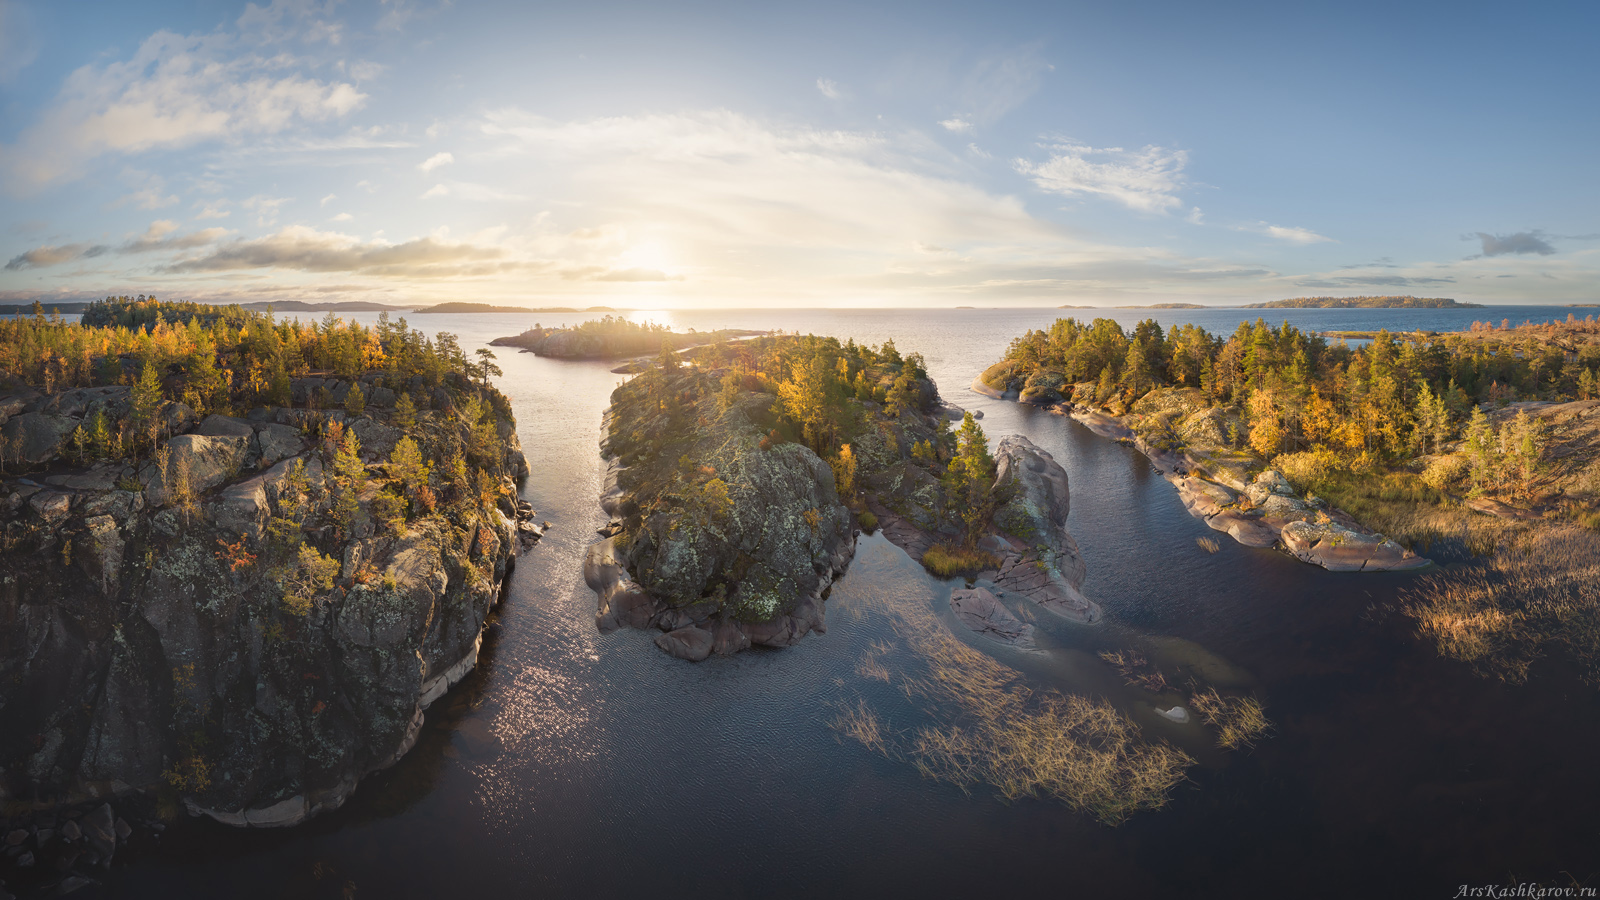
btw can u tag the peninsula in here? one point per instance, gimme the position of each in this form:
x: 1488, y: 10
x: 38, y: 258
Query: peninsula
x: 241, y: 556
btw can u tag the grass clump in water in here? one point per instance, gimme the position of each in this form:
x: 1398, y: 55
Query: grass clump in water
x: 947, y: 561
x: 1239, y: 721
x: 1208, y: 544
x: 1539, y: 591
x: 991, y: 729
x: 869, y: 522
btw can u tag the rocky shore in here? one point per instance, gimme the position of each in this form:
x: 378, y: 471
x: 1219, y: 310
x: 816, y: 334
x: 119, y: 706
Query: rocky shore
x: 1216, y: 487
x: 153, y: 641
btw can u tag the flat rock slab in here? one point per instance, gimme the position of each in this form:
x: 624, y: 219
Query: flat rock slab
x: 1102, y: 424
x: 1339, y: 549
x: 1501, y: 510
x: 983, y: 612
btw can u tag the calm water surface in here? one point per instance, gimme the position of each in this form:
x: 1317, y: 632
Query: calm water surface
x: 576, y: 764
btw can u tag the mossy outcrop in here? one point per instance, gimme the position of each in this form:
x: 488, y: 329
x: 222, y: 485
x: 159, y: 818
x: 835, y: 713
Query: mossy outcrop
x: 729, y: 527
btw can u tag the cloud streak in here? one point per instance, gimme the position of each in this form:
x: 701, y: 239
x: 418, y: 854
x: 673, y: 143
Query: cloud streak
x: 49, y: 255
x: 1519, y: 243
x: 302, y: 249
x: 1147, y: 180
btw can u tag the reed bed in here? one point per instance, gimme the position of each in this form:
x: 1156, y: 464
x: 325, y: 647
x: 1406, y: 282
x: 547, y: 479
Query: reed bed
x: 1540, y: 590
x: 1208, y: 544
x: 1240, y: 721
x: 991, y: 729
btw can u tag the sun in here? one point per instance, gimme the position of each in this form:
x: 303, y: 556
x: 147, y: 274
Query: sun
x: 646, y: 255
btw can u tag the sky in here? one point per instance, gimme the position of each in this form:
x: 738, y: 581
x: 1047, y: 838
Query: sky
x: 659, y: 155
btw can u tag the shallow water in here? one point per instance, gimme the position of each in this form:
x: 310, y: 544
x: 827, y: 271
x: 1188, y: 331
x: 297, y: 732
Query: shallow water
x: 576, y: 764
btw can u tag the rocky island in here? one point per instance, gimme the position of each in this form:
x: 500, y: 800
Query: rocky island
x: 736, y: 485
x: 241, y: 556
x: 611, y: 337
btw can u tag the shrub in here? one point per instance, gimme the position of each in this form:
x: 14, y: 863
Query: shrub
x: 946, y: 561
x: 1310, y: 469
x: 869, y: 522
x: 1445, y: 471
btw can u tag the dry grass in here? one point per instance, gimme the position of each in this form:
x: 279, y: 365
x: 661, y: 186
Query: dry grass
x: 1208, y: 544
x: 1239, y: 721
x: 861, y: 723
x: 1136, y: 670
x: 1540, y: 590
x: 992, y: 729
x: 949, y: 561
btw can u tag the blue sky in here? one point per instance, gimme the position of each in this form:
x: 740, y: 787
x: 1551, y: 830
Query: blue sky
x: 799, y: 154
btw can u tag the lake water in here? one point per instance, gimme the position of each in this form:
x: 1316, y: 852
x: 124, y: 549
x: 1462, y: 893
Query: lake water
x: 575, y: 764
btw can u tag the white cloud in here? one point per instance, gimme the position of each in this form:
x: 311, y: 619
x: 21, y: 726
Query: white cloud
x: 829, y: 88
x: 957, y: 124
x: 298, y: 248
x: 435, y: 161
x: 266, y: 208
x: 979, y: 152
x: 342, y: 217
x: 175, y: 91
x: 1147, y: 180
x: 1195, y: 216
x: 1300, y: 236
x: 328, y: 199
x: 437, y: 190
x: 214, y: 211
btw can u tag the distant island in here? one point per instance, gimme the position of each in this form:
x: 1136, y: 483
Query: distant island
x: 28, y: 309
x: 318, y: 306
x: 1406, y: 302
x: 612, y: 338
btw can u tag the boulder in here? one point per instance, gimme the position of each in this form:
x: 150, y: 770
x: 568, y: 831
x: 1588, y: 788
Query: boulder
x: 276, y: 442
x: 208, y: 460
x: 1176, y: 714
x: 51, y: 506
x: 225, y: 426
x: 282, y: 814
x: 1048, y: 568
x: 243, y: 508
x: 377, y: 439
x: 690, y: 643
x: 37, y: 437
x: 728, y: 639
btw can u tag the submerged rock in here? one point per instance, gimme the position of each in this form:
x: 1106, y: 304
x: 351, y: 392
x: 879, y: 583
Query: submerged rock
x: 982, y: 611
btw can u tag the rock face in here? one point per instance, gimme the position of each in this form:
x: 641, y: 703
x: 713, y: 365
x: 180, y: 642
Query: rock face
x: 129, y: 625
x: 1039, y: 559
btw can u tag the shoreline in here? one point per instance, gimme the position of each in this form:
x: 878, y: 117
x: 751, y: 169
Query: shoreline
x: 1271, y: 514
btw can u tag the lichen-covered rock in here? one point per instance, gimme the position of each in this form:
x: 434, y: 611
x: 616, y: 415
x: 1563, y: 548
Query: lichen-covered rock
x: 1041, y: 560
x: 197, y: 463
x: 37, y: 437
